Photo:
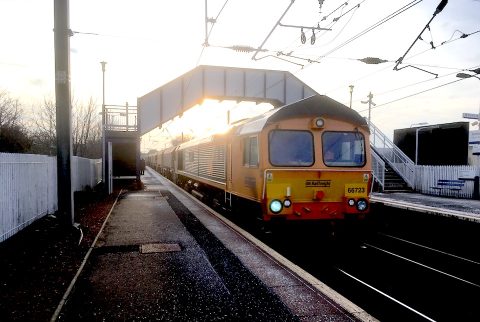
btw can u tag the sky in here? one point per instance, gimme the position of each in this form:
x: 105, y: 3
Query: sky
x: 147, y: 43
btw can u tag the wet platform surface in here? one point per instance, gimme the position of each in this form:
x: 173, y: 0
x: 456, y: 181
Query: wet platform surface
x: 462, y: 209
x: 164, y: 257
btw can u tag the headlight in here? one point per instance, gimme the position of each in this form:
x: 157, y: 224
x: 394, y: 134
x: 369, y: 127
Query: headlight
x: 351, y: 202
x: 276, y: 206
x: 319, y: 122
x: 287, y: 203
x: 362, y: 205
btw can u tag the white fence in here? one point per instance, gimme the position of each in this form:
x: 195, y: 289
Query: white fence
x: 28, y: 187
x: 427, y: 180
x: 85, y: 173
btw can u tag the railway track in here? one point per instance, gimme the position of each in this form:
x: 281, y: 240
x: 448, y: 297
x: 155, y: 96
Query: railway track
x: 420, y: 283
x: 425, y: 273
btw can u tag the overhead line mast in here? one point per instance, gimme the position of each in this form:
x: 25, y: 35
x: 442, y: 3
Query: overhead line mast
x: 62, y: 35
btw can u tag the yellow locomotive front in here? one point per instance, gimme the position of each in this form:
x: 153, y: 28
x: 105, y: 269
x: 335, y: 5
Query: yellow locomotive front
x: 316, y: 174
x: 314, y: 162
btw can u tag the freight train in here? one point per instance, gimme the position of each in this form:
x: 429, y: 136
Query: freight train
x: 309, y: 160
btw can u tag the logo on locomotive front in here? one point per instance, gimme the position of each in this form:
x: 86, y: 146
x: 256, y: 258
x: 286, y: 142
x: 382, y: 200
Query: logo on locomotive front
x: 318, y: 183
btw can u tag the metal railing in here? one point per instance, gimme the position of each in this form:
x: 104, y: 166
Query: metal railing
x: 398, y: 160
x: 378, y: 169
x: 121, y: 118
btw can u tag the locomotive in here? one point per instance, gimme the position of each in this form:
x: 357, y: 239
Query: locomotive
x: 309, y: 160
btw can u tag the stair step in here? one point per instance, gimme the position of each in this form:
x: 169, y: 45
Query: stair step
x: 398, y: 190
x: 393, y: 182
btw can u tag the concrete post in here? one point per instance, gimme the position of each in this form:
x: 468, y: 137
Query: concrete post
x: 62, y: 34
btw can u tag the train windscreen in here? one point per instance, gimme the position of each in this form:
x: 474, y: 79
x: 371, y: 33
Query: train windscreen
x: 343, y: 149
x: 291, y: 148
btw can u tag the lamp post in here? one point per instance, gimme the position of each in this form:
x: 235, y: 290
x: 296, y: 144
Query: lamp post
x: 351, y: 94
x: 103, y: 63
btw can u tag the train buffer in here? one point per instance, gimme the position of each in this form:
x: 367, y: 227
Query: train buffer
x: 163, y: 256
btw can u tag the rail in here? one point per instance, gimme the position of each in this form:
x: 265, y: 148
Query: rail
x: 398, y: 160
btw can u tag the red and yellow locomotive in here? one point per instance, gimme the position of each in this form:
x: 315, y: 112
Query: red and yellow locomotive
x: 309, y: 160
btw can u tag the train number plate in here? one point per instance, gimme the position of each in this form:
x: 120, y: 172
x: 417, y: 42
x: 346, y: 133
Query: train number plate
x: 356, y: 190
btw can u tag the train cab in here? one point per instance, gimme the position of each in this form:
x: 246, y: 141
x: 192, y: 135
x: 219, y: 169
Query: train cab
x: 305, y: 161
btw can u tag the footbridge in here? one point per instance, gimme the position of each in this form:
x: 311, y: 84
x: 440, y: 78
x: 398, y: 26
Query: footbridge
x: 221, y: 83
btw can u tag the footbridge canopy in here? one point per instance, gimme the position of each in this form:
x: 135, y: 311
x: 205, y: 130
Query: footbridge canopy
x: 222, y: 83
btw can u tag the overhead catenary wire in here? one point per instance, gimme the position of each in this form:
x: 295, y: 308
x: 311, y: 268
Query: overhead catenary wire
x: 254, y: 57
x: 409, y: 85
x: 335, y: 10
x: 213, y: 21
x: 322, y: 30
x: 414, y: 94
x: 446, y: 42
x: 414, y: 84
x: 439, y: 9
x: 387, y: 67
x: 374, y: 26
x: 421, y: 92
x: 364, y: 32
x: 344, y: 13
x: 208, y: 32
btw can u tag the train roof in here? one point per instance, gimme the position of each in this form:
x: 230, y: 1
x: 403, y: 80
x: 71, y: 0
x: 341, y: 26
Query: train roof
x: 313, y: 106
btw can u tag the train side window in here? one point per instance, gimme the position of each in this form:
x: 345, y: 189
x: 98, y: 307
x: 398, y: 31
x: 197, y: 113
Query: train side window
x: 250, y: 151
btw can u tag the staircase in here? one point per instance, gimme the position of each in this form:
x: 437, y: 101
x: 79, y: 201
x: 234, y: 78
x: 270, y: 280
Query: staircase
x: 393, y: 181
x: 392, y: 169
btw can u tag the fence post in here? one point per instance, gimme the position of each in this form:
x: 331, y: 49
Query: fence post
x: 476, y: 188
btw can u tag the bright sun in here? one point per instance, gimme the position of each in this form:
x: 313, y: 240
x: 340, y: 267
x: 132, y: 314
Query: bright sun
x: 210, y: 117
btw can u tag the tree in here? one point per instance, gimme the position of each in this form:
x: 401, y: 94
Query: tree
x: 44, y: 137
x: 86, y: 129
x: 13, y: 133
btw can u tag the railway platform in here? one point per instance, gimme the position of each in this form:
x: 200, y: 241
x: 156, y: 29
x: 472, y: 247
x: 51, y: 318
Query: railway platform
x: 462, y: 209
x: 163, y: 256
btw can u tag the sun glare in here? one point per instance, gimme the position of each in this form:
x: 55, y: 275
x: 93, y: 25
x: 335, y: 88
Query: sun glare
x: 210, y: 117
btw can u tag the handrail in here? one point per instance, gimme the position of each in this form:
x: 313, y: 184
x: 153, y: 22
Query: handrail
x: 398, y: 160
x: 378, y: 168
x: 116, y: 120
